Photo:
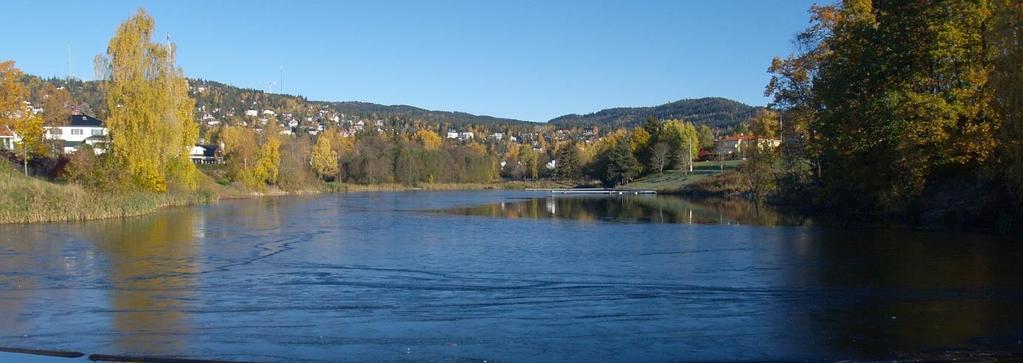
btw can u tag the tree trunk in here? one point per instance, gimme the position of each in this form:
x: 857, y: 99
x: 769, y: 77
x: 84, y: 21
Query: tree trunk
x: 24, y: 162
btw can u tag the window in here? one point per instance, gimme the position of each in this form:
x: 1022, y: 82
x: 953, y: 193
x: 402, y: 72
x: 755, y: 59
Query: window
x: 76, y: 131
x: 97, y: 132
x: 56, y: 131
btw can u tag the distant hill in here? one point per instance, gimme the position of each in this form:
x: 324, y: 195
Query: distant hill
x: 238, y: 99
x: 212, y: 95
x: 712, y: 111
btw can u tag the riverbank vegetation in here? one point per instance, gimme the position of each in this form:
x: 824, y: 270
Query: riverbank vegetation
x: 907, y: 110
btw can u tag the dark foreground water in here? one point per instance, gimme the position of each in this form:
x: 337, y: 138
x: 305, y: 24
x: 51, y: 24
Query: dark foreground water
x: 518, y: 277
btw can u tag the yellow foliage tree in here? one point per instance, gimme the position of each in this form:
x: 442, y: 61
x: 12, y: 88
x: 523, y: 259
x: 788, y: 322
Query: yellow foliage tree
x: 30, y: 128
x: 12, y: 93
x: 429, y: 139
x: 151, y: 122
x: 324, y: 159
x: 268, y: 159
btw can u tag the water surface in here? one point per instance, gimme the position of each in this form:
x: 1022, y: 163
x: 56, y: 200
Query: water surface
x: 506, y: 276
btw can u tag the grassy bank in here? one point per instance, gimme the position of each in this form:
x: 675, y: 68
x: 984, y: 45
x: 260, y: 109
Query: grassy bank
x: 708, y: 178
x: 25, y: 199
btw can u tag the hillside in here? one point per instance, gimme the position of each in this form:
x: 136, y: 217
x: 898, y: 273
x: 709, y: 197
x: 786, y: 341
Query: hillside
x: 227, y: 99
x: 712, y: 111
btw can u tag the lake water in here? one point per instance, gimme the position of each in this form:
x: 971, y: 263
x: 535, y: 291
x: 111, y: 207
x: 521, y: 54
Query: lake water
x: 503, y: 276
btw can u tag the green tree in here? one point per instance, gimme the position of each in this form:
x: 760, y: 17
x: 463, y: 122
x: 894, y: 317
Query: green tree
x: 568, y: 165
x: 705, y: 135
x: 622, y: 165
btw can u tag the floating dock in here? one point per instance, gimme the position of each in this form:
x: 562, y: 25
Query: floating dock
x: 594, y: 191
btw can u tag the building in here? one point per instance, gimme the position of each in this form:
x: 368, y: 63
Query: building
x: 80, y: 129
x: 732, y: 146
x: 8, y: 138
x: 206, y: 154
x: 452, y: 134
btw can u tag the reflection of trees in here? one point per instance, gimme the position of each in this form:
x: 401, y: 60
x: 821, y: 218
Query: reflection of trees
x: 658, y: 209
x: 19, y: 272
x: 901, y: 290
x: 151, y: 262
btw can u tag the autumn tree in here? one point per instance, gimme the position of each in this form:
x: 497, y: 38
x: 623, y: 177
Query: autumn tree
x: 29, y: 127
x: 12, y: 93
x: 660, y: 155
x: 1007, y: 84
x: 151, y: 121
x: 429, y: 139
x: 324, y: 159
x: 57, y: 107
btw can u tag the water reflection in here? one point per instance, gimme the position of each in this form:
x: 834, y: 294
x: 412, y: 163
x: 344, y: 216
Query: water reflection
x: 641, y: 209
x: 151, y: 263
x: 372, y: 276
x: 900, y: 290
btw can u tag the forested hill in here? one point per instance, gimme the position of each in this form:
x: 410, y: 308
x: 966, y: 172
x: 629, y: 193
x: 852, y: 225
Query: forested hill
x: 410, y: 112
x: 712, y: 111
x: 228, y: 99
x: 219, y: 95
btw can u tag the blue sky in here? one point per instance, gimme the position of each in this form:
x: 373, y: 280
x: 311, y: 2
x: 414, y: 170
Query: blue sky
x: 530, y: 60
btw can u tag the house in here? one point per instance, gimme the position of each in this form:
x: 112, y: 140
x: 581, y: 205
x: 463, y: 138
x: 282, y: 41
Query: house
x: 465, y: 135
x: 206, y: 154
x: 497, y: 136
x: 251, y: 113
x: 8, y: 138
x: 452, y: 134
x: 732, y: 146
x: 80, y: 129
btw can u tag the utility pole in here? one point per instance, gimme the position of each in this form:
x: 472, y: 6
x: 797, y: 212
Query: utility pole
x: 282, y: 80
x: 68, y: 62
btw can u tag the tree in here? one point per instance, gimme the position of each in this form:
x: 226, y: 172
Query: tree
x: 268, y: 158
x: 622, y: 165
x: 1007, y: 84
x: 429, y: 139
x: 760, y: 171
x: 57, y: 106
x: 660, y: 154
x: 324, y: 159
x: 30, y: 128
x: 568, y: 165
x: 705, y: 136
x: 12, y: 93
x: 151, y: 122
x: 683, y: 143
x: 887, y: 98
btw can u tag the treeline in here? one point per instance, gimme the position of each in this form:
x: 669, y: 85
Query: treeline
x: 903, y: 108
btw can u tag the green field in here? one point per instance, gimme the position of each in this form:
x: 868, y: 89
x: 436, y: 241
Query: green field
x: 675, y: 180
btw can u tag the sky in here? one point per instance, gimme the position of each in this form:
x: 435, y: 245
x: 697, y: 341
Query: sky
x: 526, y: 59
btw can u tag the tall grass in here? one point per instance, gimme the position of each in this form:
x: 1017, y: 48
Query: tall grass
x: 25, y: 199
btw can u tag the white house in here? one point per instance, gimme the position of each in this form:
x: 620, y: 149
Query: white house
x: 452, y: 134
x: 80, y: 129
x: 251, y: 113
x: 8, y: 138
x: 206, y: 154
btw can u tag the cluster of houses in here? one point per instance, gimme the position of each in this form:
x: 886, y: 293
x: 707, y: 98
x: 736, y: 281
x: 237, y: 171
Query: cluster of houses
x: 87, y: 130
x: 732, y: 147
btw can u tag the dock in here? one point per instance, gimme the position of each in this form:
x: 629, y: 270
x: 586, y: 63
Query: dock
x: 608, y: 191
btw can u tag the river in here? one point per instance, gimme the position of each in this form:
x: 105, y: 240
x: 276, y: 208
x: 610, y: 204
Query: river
x: 504, y: 276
